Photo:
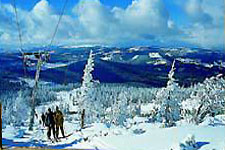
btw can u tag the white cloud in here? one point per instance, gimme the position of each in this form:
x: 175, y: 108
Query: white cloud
x: 42, y: 8
x: 216, y: 10
x: 143, y: 20
x: 95, y: 19
x: 91, y: 22
x: 205, y: 37
x: 196, y: 12
x: 206, y: 27
x: 37, y: 25
x: 144, y: 16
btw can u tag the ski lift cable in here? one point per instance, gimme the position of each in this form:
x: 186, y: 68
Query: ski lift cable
x: 18, y: 27
x: 39, y: 69
x: 24, y: 55
x: 20, y: 37
x: 57, y: 25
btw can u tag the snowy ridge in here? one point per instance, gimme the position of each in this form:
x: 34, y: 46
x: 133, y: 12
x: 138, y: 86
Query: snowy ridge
x: 189, y: 61
x: 78, y: 46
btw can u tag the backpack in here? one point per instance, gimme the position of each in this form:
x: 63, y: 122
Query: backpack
x: 59, y: 117
x: 47, y: 120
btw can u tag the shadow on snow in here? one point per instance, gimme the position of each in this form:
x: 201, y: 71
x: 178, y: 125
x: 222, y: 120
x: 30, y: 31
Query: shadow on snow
x: 10, y: 143
x: 200, y: 144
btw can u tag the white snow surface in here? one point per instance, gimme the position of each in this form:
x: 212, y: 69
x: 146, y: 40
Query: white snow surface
x: 134, y: 49
x: 154, y: 55
x: 109, y: 57
x: 160, y: 62
x: 152, y: 138
x: 147, y: 108
x: 54, y: 65
x: 141, y: 136
x: 135, y: 57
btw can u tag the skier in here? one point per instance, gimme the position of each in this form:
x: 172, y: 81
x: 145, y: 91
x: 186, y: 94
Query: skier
x: 50, y: 123
x: 59, y: 122
x: 43, y: 119
x: 46, y: 113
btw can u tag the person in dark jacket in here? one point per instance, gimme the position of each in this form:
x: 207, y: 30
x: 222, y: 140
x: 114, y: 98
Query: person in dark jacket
x: 59, y: 122
x: 43, y: 118
x: 50, y: 123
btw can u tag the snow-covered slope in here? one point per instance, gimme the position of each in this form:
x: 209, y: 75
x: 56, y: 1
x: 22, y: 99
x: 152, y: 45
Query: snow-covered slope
x: 99, y: 136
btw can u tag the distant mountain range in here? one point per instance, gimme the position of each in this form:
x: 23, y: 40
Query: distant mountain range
x: 147, y: 65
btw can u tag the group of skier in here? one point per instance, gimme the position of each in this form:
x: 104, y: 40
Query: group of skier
x: 53, y: 121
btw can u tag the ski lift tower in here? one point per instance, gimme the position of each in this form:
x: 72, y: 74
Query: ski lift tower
x: 41, y: 57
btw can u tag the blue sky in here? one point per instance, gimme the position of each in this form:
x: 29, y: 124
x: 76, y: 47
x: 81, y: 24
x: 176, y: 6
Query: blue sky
x: 115, y: 22
x: 29, y: 4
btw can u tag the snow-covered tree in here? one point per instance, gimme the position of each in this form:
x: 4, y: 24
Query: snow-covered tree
x: 21, y: 108
x: 168, y: 101
x: 16, y: 111
x: 131, y: 107
x: 87, y: 102
x: 138, y: 106
x: 207, y: 98
x: 120, y: 109
x: 7, y: 111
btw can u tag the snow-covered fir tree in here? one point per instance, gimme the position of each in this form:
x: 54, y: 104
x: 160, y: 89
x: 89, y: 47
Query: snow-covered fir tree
x: 131, y: 107
x: 7, y: 111
x: 120, y: 109
x: 16, y: 111
x: 21, y: 108
x: 138, y: 105
x: 168, y: 101
x: 87, y: 99
x: 207, y: 98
